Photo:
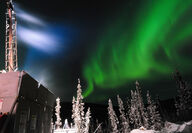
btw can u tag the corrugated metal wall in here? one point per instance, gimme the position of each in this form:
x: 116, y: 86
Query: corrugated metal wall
x: 35, y: 108
x: 34, y: 104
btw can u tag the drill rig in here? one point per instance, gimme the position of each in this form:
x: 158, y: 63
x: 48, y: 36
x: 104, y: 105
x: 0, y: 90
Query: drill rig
x: 11, y: 63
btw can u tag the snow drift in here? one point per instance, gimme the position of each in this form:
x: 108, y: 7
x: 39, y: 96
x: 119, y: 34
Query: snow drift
x: 185, y: 127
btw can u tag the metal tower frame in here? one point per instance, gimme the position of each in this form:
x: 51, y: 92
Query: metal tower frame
x: 11, y: 62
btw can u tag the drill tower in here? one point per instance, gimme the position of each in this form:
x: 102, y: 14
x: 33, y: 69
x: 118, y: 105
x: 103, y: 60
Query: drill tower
x: 11, y: 63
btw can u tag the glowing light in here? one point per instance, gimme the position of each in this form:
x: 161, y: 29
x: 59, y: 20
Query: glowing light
x: 28, y: 17
x: 38, y: 39
x: 38, y: 33
x: 42, y: 77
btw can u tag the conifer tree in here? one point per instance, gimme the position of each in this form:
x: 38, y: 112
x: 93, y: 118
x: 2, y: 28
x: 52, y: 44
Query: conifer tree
x: 87, y: 120
x: 58, y: 122
x: 78, y: 115
x: 128, y: 109
x: 123, y: 119
x: 128, y: 106
x: 184, y: 99
x: 113, y: 118
x: 74, y: 110
x: 134, y: 115
x: 138, y: 122
x: 143, y: 115
x: 155, y: 122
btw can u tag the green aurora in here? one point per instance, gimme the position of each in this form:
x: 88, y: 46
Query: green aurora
x: 142, y: 47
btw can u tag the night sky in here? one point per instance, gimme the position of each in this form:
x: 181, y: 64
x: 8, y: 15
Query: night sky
x: 108, y: 44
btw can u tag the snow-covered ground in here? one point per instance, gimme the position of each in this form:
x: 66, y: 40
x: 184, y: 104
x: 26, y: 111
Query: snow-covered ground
x: 65, y: 131
x: 143, y: 130
x: 185, y: 127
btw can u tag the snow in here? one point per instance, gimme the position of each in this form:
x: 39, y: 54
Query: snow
x: 189, y: 123
x: 186, y: 127
x: 65, y: 131
x: 143, y: 130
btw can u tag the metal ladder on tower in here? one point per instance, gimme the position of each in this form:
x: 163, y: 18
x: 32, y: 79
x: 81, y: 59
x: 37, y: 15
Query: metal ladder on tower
x: 11, y: 62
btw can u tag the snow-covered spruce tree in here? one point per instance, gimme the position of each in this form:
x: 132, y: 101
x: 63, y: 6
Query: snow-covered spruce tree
x: 134, y: 115
x: 138, y: 122
x: 183, y: 101
x: 113, y: 118
x: 74, y: 114
x: 124, y: 121
x: 78, y: 114
x: 128, y: 109
x: 150, y: 111
x: 128, y: 106
x: 58, y: 122
x: 132, y: 110
x: 155, y: 122
x: 143, y: 114
x: 87, y: 120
